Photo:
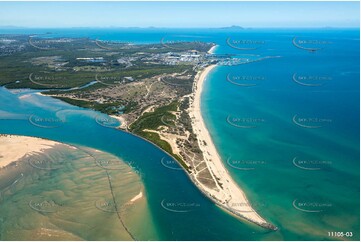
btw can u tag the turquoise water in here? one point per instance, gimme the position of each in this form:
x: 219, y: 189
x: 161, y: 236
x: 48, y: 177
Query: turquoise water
x: 319, y: 195
x: 326, y: 181
x: 172, y: 187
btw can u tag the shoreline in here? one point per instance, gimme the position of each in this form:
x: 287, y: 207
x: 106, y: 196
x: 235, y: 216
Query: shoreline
x: 227, y: 194
x: 122, y: 121
x: 212, y: 49
x: 232, y: 198
x: 15, y: 147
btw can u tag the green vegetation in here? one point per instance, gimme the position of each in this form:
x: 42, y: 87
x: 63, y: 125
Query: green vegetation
x: 127, y: 77
x: 155, y: 138
x: 152, y: 121
x: 56, y: 61
x: 108, y: 108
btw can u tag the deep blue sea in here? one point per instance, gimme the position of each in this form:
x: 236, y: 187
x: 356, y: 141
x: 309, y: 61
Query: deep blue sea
x: 286, y: 125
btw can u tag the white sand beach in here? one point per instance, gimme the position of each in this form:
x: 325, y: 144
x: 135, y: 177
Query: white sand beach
x: 13, y: 147
x: 123, y: 123
x: 139, y: 196
x: 230, y: 196
x: 212, y: 50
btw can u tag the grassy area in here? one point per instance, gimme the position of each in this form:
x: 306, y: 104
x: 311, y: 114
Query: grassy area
x: 108, y: 108
x: 153, y: 121
x: 155, y: 138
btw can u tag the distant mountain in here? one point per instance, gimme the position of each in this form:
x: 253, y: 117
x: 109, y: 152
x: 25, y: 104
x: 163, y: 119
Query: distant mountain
x: 233, y: 27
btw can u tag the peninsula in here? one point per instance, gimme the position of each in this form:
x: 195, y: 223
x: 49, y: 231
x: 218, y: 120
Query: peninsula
x: 154, y: 89
x: 226, y: 193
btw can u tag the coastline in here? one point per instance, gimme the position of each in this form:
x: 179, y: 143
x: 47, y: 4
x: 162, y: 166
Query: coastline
x: 227, y: 194
x: 121, y: 119
x: 26, y: 146
x: 14, y: 147
x: 231, y: 197
x: 212, y: 49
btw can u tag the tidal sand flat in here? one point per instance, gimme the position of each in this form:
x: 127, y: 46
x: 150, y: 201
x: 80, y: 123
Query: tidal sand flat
x: 65, y: 192
x: 14, y: 147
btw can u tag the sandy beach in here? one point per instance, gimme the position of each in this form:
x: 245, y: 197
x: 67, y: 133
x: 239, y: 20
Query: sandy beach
x: 230, y: 196
x: 139, y: 196
x: 13, y: 147
x: 212, y: 50
x: 123, y: 123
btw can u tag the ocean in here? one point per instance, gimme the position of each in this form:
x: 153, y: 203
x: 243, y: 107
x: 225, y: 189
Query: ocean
x: 286, y: 125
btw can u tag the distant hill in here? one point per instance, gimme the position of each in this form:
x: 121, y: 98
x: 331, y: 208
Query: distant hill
x: 235, y: 27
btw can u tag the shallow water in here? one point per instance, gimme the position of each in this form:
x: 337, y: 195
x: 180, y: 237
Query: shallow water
x: 64, y: 194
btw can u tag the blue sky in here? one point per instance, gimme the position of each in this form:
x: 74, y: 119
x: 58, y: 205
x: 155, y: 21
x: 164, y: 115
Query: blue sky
x: 179, y: 14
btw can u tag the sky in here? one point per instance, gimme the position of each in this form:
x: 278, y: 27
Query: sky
x: 179, y: 14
